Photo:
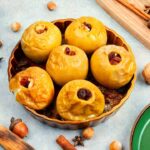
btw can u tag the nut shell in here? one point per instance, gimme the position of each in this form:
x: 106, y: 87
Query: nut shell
x: 146, y: 73
x: 115, y: 145
x: 51, y: 5
x: 20, y: 129
x: 88, y: 133
x: 15, y: 27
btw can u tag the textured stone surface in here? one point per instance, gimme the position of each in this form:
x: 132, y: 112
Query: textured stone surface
x: 41, y: 136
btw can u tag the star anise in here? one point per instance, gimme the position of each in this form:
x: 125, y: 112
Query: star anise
x: 78, y: 141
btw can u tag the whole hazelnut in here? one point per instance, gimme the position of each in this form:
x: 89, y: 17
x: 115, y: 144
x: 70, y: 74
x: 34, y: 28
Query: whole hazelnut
x: 115, y: 145
x: 146, y: 73
x: 16, y: 26
x: 88, y: 133
x: 148, y: 24
x: 18, y: 127
x: 51, y: 5
x: 1, y: 44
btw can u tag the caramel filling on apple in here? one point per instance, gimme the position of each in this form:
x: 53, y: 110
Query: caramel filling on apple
x: 69, y: 52
x: 39, y: 29
x: 87, y: 26
x: 25, y: 82
x: 114, y: 58
x: 84, y: 94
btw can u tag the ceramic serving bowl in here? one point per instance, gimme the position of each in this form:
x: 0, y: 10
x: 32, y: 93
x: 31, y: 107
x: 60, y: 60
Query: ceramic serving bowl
x: 139, y: 138
x: 18, y: 61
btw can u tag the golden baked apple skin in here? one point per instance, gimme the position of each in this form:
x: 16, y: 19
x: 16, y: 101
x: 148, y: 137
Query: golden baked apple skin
x: 33, y: 88
x: 39, y: 39
x: 88, y: 33
x: 111, y: 71
x: 80, y: 100
x: 66, y: 63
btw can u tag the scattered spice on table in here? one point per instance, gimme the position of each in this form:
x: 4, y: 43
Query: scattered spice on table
x: 146, y: 73
x: 78, y: 141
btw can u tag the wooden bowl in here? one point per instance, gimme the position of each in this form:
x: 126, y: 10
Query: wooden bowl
x: 18, y: 61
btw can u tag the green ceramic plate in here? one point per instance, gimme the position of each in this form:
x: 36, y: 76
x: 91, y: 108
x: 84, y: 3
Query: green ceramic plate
x: 140, y: 136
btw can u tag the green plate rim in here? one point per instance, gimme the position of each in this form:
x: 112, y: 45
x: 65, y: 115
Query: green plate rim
x: 135, y: 124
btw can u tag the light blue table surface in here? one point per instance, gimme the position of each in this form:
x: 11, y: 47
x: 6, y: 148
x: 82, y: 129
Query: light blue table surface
x: 41, y: 136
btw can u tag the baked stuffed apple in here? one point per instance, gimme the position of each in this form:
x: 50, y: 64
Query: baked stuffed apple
x: 80, y: 100
x: 66, y: 63
x: 39, y: 39
x: 113, y: 66
x: 88, y: 33
x: 33, y: 87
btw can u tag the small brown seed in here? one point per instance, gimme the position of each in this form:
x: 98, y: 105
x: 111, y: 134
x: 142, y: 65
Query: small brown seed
x: 51, y: 5
x: 88, y: 133
x: 146, y: 73
x: 115, y: 145
x: 16, y: 26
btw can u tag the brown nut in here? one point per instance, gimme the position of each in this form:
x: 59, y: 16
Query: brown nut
x: 146, y: 73
x: 51, y: 5
x: 115, y: 145
x: 16, y: 26
x: 18, y: 127
x: 88, y: 133
x: 1, y: 44
x: 148, y: 24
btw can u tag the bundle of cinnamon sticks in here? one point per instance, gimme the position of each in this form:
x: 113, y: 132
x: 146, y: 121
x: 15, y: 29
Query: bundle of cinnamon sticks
x: 140, y: 7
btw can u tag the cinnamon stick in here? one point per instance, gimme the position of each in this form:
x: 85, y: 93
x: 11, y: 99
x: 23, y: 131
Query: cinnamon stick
x: 64, y: 143
x: 135, y: 10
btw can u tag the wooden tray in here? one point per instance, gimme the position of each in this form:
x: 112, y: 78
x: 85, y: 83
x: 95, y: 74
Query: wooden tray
x: 128, y: 19
x: 18, y: 61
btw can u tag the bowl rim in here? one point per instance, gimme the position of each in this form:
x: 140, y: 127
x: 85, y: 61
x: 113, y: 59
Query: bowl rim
x: 136, y: 122
x: 103, y: 115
